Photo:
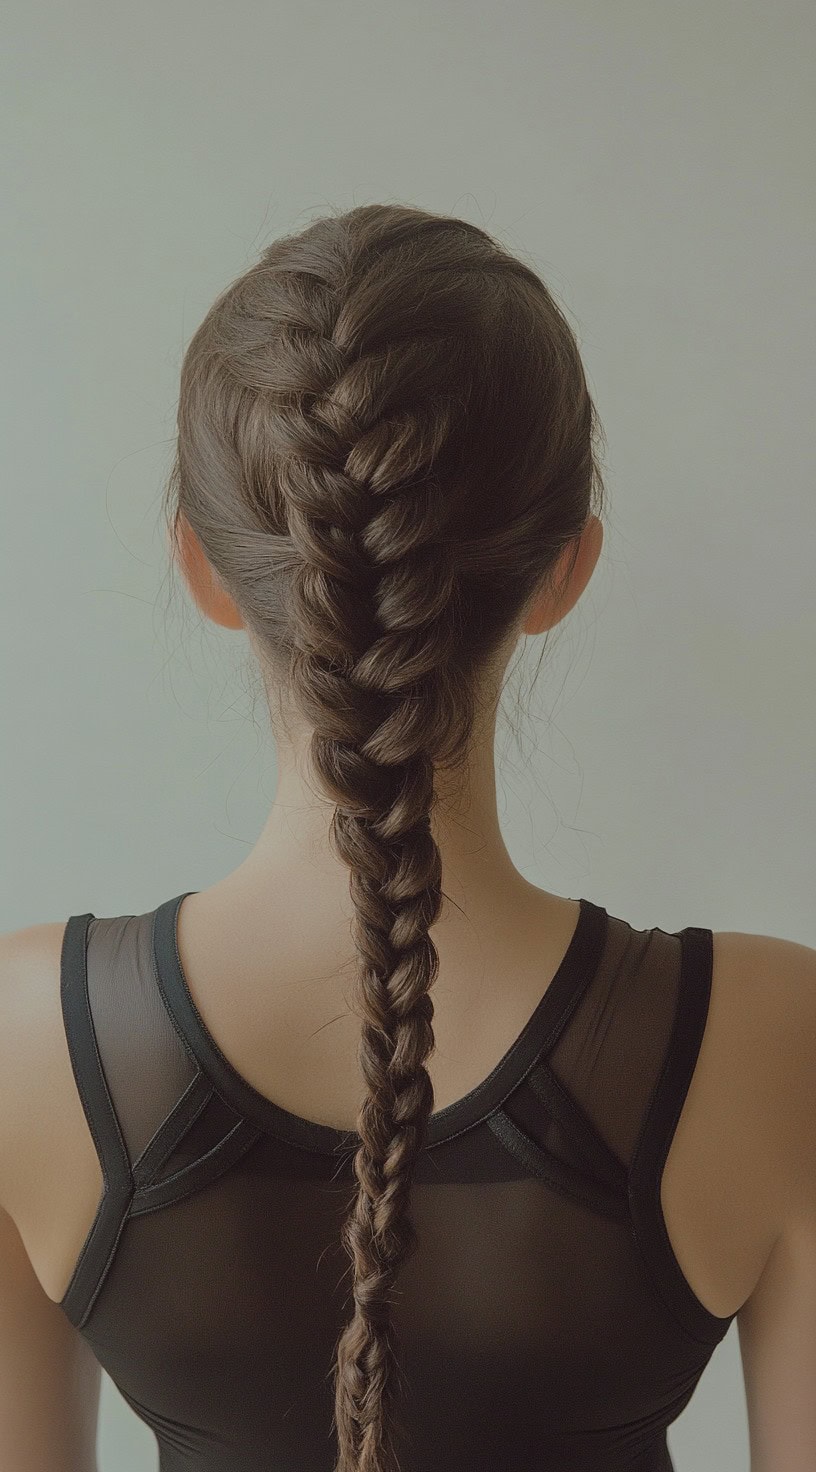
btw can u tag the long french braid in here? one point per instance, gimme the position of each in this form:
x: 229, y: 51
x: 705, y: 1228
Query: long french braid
x: 385, y: 440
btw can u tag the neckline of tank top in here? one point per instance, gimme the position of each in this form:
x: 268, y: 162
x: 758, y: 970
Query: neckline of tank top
x: 537, y: 1037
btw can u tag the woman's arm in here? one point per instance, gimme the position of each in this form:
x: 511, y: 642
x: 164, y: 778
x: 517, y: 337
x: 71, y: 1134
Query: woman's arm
x: 777, y: 1326
x: 49, y: 1379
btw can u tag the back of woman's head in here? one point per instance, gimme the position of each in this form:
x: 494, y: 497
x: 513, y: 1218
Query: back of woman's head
x: 385, y: 442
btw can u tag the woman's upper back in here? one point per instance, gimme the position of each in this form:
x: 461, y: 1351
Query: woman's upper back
x: 591, y: 1212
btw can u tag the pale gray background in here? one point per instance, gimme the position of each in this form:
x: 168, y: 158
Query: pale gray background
x: 654, y: 162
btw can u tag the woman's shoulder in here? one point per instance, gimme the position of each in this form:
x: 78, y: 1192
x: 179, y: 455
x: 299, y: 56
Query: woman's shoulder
x: 36, y: 1075
x: 764, y: 998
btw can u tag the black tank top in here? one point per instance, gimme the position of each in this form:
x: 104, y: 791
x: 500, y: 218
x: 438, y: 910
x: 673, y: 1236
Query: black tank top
x: 544, y: 1322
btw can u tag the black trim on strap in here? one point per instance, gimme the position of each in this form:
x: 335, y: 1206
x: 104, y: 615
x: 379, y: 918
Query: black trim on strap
x: 100, y: 1244
x: 564, y: 1178
x: 566, y: 1110
x: 198, y: 1173
x: 172, y: 1130
x: 656, y: 1134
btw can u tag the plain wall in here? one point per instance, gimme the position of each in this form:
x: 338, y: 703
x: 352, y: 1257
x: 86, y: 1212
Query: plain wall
x: 654, y: 162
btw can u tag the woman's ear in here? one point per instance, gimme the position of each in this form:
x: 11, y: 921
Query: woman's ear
x: 203, y: 583
x: 556, y: 601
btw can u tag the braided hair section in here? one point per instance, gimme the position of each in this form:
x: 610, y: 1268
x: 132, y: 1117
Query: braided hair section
x: 374, y: 634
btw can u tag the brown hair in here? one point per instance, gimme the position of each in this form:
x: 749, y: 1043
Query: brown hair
x: 385, y: 440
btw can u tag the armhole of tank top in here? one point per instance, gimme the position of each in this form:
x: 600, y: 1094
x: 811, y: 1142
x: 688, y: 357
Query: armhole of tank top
x: 657, y: 1132
x: 100, y: 1243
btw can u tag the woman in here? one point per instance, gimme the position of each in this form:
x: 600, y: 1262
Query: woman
x: 369, y: 1156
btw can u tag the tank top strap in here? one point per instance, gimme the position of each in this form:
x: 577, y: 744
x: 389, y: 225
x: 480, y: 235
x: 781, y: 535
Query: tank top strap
x: 159, y: 1128
x: 100, y: 1114
x: 627, y: 1059
x: 662, y: 1115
